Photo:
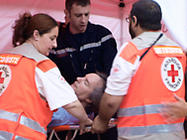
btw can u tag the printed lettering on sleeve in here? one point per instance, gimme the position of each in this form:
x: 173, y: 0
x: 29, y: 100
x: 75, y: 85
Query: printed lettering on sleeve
x: 172, y: 73
x: 5, y: 77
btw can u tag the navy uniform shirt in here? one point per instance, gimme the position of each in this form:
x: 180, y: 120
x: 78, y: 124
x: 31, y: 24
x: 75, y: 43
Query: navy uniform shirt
x: 79, y: 54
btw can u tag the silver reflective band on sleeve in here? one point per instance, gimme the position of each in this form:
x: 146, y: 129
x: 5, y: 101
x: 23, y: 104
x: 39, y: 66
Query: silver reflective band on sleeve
x: 140, y: 110
x: 145, y: 130
x: 96, y: 44
x: 106, y: 38
x: 9, y: 116
x: 20, y: 138
x: 32, y: 124
x: 62, y: 51
x: 5, y: 135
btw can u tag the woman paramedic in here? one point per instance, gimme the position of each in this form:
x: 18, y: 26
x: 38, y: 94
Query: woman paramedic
x: 31, y: 86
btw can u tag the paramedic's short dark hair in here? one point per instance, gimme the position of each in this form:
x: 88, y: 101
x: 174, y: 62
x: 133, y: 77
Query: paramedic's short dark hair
x: 69, y: 3
x: 148, y: 14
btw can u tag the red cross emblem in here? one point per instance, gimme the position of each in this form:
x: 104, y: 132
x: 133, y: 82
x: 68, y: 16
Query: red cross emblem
x: 5, y: 77
x: 172, y: 73
x: 1, y: 78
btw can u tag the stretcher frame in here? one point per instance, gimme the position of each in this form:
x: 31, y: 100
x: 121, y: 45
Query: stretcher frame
x: 76, y: 128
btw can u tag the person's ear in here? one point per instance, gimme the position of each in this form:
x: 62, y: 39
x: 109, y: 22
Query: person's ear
x: 36, y: 35
x: 67, y: 14
x: 134, y: 20
x: 88, y: 101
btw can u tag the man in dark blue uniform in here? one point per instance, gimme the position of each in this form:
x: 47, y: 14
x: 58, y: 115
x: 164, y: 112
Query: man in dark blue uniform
x: 83, y: 48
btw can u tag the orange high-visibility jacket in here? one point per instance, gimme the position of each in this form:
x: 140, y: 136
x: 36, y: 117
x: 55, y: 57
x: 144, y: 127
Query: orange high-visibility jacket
x: 159, y: 75
x: 23, y: 112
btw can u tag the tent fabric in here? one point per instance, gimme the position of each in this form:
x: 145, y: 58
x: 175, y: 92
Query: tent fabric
x: 175, y: 17
x: 104, y: 12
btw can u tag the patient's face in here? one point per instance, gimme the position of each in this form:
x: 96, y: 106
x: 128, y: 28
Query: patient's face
x: 84, y: 86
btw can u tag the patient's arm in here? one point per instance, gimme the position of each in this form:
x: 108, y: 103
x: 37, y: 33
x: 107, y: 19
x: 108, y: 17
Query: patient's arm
x: 77, y: 110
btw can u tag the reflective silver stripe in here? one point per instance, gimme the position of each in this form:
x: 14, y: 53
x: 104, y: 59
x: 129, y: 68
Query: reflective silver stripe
x: 145, y: 130
x: 20, y: 138
x: 62, y: 51
x: 8, y: 136
x: 96, y: 44
x: 140, y: 110
x: 5, y: 135
x: 86, y: 46
x: 24, y: 121
x: 106, y: 38
x: 91, y: 45
x: 32, y: 124
x: 9, y: 116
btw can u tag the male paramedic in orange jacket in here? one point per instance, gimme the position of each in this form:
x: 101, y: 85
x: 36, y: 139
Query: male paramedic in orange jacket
x: 147, y: 71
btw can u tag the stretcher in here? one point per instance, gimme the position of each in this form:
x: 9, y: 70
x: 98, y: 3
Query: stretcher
x: 74, y: 127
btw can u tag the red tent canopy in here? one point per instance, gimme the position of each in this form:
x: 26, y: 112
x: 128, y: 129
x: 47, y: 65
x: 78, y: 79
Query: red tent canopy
x: 109, y: 13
